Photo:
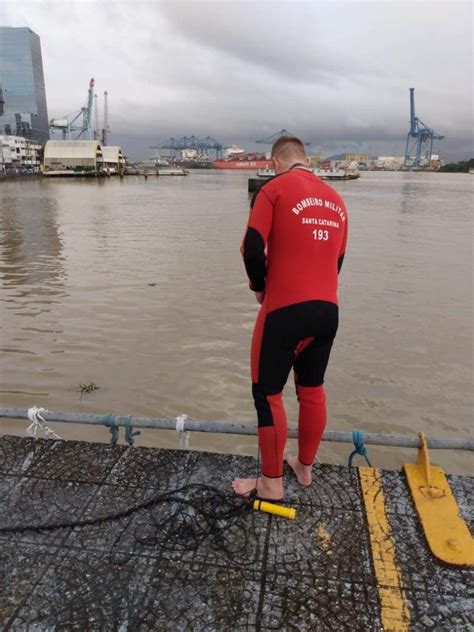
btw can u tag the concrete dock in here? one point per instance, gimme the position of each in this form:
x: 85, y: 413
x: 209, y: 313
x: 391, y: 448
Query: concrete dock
x: 326, y: 570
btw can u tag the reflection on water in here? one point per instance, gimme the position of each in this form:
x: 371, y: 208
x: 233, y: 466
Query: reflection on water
x: 32, y: 263
x: 31, y: 247
x: 33, y: 278
x: 139, y: 287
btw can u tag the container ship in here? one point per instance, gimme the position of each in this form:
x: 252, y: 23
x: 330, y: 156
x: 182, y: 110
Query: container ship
x: 192, y: 163
x: 190, y: 158
x: 237, y: 158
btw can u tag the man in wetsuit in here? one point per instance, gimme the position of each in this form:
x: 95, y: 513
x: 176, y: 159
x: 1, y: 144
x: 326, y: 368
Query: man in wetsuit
x: 293, y: 251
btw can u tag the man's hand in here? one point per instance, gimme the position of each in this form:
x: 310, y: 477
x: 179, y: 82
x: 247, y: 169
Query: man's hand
x: 260, y: 297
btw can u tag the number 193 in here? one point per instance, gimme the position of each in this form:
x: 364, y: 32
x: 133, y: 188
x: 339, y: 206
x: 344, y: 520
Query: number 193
x: 321, y: 235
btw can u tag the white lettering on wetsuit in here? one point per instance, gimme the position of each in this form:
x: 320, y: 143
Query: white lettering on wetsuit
x: 311, y: 201
x: 321, y: 235
x: 304, y: 203
x: 320, y: 221
x: 337, y: 209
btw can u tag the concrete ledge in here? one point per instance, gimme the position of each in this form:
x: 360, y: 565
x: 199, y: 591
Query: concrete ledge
x: 264, y: 573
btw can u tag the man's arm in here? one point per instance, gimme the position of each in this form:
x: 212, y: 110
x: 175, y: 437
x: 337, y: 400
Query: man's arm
x: 255, y: 241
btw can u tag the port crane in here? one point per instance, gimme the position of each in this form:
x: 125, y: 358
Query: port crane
x: 209, y: 146
x: 71, y: 124
x: 420, y: 135
x: 271, y: 139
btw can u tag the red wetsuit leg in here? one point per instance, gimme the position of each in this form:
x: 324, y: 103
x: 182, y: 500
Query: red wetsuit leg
x: 280, y: 340
x: 312, y: 356
x: 268, y: 399
x: 272, y: 439
x: 311, y: 421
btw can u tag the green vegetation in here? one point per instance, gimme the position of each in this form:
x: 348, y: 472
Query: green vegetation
x: 458, y: 167
x: 84, y: 389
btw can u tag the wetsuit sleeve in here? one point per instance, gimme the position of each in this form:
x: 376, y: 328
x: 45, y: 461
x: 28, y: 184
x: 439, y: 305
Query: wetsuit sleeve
x: 342, y: 251
x: 255, y: 241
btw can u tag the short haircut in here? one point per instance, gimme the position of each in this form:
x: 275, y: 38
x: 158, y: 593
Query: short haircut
x: 286, y: 147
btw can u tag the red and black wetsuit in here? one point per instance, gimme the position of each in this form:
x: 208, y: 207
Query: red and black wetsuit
x: 293, y: 250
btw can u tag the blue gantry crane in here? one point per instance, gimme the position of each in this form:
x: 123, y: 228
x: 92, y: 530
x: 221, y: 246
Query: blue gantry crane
x: 419, y: 135
x: 69, y: 124
x: 209, y: 146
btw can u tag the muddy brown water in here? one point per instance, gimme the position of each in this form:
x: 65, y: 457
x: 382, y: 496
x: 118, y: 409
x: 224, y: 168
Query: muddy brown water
x: 138, y: 285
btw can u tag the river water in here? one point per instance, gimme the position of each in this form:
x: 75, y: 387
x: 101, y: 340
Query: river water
x: 138, y: 286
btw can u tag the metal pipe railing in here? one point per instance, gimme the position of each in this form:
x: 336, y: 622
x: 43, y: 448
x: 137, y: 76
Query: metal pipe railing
x: 222, y: 427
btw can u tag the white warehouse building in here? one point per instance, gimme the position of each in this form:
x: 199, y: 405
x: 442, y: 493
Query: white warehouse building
x: 114, y: 160
x: 81, y: 157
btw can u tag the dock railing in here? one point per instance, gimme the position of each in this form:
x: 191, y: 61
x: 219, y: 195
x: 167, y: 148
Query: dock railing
x: 183, y: 424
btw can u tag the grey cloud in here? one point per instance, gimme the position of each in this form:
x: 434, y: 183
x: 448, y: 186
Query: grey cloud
x: 336, y: 73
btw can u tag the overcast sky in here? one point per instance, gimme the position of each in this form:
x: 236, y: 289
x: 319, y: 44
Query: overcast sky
x: 335, y: 73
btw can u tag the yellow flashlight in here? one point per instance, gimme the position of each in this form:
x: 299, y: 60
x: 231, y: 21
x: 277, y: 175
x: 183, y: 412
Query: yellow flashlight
x: 276, y: 510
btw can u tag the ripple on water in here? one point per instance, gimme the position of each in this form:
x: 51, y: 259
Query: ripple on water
x: 74, y: 280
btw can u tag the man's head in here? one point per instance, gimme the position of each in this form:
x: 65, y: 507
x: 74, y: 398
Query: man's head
x: 286, y: 151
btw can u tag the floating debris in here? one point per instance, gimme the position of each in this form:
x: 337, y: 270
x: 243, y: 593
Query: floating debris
x: 84, y: 389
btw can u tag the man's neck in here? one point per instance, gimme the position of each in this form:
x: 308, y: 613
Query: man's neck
x: 298, y: 165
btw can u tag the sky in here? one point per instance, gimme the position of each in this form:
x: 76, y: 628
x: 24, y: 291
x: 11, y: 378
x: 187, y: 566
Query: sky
x: 337, y: 74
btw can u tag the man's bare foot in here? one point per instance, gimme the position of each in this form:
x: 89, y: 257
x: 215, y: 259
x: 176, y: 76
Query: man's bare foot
x: 271, y: 488
x: 303, y: 472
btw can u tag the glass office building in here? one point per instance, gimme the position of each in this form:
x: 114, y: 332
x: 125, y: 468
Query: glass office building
x: 23, y: 110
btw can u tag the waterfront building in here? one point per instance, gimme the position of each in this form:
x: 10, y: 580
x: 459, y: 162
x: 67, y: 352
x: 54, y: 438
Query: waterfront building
x: 390, y: 163
x: 64, y: 157
x: 19, y: 154
x: 352, y: 157
x: 114, y: 160
x: 23, y: 110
